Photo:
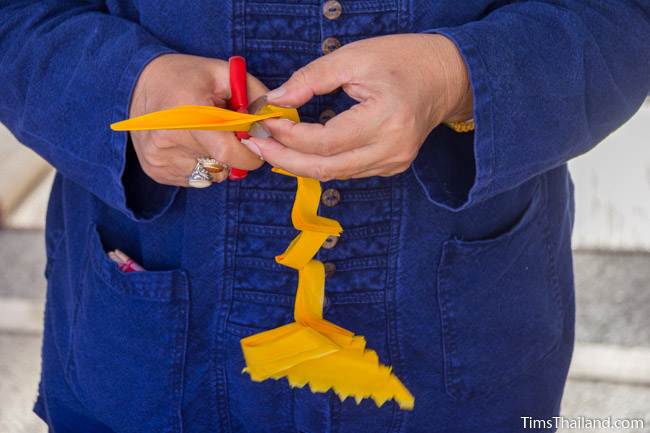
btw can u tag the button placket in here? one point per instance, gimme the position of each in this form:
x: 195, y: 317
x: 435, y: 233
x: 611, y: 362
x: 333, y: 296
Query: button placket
x: 331, y: 11
x: 331, y: 14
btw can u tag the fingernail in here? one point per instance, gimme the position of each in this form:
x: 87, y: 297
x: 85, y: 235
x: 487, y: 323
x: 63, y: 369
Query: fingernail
x: 276, y: 93
x: 251, y: 146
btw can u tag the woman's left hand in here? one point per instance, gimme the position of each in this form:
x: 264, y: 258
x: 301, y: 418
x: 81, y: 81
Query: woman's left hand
x: 405, y: 85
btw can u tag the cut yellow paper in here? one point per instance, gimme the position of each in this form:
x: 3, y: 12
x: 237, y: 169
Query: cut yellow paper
x: 311, y: 350
x: 272, y: 352
x: 304, y: 214
x: 351, y: 370
x: 202, y: 117
x: 301, y: 249
x: 316, y: 352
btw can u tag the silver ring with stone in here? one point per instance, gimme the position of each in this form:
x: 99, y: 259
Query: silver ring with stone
x: 199, y: 178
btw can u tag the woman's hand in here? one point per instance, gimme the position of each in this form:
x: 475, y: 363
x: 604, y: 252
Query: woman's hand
x: 405, y: 84
x: 169, y: 156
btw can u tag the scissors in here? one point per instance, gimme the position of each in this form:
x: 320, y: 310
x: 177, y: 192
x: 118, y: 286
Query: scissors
x: 242, y: 118
x: 239, y: 102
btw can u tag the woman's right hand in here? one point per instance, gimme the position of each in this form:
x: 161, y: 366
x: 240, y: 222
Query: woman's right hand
x: 169, y: 156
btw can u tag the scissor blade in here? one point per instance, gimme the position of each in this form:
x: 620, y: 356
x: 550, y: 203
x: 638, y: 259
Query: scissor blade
x: 255, y: 106
x: 257, y: 130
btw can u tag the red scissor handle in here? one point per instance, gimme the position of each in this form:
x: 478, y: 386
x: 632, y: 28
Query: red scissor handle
x: 238, y: 102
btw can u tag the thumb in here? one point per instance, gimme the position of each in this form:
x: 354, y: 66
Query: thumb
x: 319, y: 77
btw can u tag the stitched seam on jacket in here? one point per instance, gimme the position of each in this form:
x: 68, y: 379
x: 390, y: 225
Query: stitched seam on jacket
x: 390, y: 298
x: 352, y: 264
x: 296, y: 46
x: 335, y: 298
x: 348, y: 195
x: 355, y: 233
x: 552, y: 267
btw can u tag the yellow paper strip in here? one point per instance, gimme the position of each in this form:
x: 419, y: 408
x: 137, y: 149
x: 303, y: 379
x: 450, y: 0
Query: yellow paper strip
x: 310, y: 350
x: 351, y: 370
x: 199, y: 117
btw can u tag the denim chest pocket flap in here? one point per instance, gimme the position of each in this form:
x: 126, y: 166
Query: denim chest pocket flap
x: 499, y: 304
x: 128, y: 342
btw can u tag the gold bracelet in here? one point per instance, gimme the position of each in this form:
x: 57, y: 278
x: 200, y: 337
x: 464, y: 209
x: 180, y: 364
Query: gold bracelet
x: 466, y: 126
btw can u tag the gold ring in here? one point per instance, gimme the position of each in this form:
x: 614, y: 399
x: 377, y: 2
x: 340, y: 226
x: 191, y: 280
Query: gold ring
x: 213, y: 166
x: 220, y: 177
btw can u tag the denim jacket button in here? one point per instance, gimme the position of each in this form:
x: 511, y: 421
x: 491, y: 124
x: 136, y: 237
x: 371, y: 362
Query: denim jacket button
x: 330, y: 269
x: 330, y: 242
x: 330, y: 197
x: 326, y: 115
x: 332, y: 9
x: 330, y: 44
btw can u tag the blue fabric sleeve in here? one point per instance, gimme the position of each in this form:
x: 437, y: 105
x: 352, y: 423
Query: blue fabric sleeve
x: 550, y: 80
x: 67, y: 70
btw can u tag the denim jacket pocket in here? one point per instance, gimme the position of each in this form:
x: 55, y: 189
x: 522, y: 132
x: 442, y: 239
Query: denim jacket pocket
x: 128, y: 343
x: 499, y: 304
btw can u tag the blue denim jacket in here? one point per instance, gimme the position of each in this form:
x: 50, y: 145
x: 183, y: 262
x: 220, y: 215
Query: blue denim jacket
x: 457, y: 271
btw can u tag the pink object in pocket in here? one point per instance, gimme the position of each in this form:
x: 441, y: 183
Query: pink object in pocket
x: 124, y: 262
